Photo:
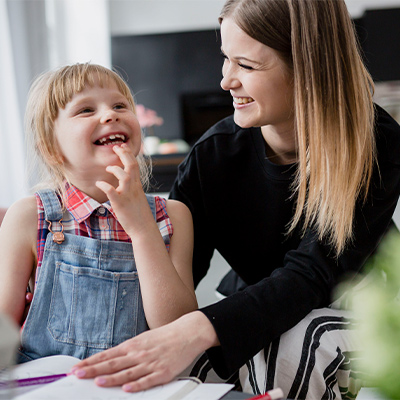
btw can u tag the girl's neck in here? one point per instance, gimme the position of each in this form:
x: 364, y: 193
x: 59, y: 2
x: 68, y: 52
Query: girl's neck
x: 90, y: 189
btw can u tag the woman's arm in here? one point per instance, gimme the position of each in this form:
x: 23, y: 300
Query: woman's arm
x: 165, y: 278
x: 152, y: 358
x: 18, y: 256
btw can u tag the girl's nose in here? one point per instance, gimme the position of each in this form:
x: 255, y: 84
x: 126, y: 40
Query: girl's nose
x: 109, y: 116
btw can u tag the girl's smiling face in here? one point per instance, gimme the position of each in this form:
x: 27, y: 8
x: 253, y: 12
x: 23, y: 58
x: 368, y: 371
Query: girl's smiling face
x: 258, y: 80
x: 96, y: 119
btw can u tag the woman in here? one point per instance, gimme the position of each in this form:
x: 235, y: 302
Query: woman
x: 296, y: 191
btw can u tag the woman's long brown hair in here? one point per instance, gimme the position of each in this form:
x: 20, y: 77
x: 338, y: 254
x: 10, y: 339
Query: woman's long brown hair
x: 334, y: 112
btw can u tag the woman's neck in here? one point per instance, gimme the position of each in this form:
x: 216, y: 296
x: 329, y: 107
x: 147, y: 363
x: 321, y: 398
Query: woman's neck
x: 280, y: 146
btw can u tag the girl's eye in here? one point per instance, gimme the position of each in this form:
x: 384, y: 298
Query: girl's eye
x: 86, y: 110
x: 120, y: 106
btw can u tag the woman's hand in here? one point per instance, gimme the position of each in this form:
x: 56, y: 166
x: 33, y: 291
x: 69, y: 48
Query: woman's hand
x: 152, y: 358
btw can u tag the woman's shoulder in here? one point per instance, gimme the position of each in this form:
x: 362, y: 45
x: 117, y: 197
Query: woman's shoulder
x: 387, y: 136
x: 222, y: 140
x: 223, y: 127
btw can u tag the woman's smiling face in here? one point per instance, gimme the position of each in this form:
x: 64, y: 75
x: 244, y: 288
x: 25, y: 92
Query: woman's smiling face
x: 258, y: 80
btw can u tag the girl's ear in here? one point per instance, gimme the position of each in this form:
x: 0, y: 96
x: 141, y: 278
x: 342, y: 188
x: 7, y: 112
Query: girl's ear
x: 55, y: 157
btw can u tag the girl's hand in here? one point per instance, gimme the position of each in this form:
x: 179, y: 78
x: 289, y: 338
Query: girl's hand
x: 28, y: 301
x: 128, y: 199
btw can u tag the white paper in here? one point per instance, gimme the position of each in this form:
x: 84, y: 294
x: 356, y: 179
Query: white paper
x: 209, y: 391
x: 52, y: 365
x: 74, y: 388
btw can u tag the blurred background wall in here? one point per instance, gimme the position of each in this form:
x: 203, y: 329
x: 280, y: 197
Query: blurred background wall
x: 40, y: 34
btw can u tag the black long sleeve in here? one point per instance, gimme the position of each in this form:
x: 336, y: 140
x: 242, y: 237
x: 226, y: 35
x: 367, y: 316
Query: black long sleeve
x: 241, y: 205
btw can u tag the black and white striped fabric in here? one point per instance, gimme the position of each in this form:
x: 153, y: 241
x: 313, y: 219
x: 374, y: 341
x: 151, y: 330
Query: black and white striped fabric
x: 313, y: 360
x: 316, y: 359
x: 202, y: 369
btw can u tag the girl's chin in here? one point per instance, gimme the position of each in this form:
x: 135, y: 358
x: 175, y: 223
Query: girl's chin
x: 108, y: 179
x: 111, y: 159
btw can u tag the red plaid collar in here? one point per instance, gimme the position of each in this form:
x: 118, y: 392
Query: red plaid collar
x: 80, y: 205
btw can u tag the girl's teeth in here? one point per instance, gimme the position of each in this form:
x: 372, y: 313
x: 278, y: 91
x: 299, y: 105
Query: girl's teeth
x: 113, y: 137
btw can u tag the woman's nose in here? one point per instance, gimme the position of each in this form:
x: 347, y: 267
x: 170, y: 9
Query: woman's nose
x: 229, y: 80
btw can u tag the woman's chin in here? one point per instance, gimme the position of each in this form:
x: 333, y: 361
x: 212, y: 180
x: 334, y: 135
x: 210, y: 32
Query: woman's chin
x: 243, y: 122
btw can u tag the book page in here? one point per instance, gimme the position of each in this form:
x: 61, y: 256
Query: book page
x: 209, y: 391
x: 70, y: 387
x: 52, y: 365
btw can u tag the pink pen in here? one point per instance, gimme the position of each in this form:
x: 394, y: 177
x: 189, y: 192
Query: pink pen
x: 39, y: 380
x: 274, y: 394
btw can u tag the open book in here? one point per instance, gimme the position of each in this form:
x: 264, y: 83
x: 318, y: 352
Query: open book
x: 71, y: 387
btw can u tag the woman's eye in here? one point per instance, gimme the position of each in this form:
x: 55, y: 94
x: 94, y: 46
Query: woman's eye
x: 245, y: 66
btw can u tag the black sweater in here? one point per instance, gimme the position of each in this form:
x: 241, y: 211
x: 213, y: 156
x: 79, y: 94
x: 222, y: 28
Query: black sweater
x: 241, y: 205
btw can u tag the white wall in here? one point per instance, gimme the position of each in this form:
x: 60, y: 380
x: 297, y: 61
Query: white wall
x: 130, y: 17
x: 357, y: 7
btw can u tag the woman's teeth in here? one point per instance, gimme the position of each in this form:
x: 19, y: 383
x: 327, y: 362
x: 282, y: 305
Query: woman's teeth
x: 243, y: 100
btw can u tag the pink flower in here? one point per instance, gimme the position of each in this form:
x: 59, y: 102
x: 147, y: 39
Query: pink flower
x: 147, y: 117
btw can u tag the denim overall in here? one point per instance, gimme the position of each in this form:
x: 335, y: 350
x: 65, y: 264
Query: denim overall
x: 87, y: 296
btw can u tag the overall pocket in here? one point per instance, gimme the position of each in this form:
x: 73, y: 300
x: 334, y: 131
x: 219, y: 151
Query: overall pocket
x: 85, y: 302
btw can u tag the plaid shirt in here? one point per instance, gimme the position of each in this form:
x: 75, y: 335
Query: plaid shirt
x: 84, y: 216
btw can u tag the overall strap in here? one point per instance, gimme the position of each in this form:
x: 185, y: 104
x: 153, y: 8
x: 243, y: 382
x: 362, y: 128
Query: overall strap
x: 51, y: 204
x: 152, y: 203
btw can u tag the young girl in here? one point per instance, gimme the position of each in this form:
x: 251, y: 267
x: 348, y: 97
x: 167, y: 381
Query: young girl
x: 104, y: 260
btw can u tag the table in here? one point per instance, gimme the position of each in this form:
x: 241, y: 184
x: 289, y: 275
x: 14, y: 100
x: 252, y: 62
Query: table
x: 234, y: 395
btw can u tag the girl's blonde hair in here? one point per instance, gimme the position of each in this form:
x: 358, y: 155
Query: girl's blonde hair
x: 51, y: 91
x: 334, y: 112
